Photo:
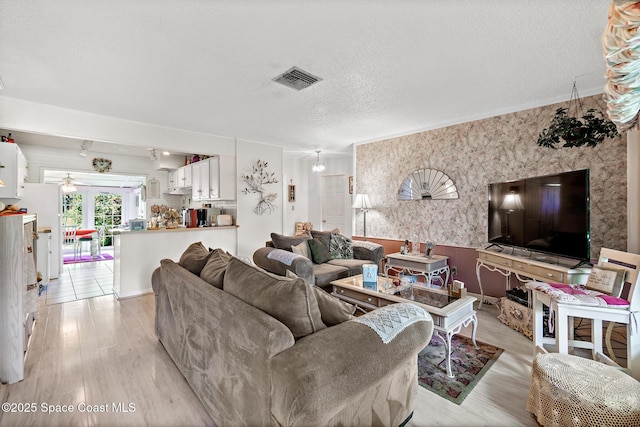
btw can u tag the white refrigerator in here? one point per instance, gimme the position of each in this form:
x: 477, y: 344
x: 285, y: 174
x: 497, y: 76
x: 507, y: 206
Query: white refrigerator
x: 45, y: 200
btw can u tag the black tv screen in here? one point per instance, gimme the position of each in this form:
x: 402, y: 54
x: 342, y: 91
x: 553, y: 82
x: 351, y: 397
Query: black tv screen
x: 547, y: 214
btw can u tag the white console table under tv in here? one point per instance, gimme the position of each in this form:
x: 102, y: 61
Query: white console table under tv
x: 527, y: 267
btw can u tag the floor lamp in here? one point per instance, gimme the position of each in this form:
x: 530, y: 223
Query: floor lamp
x: 362, y: 202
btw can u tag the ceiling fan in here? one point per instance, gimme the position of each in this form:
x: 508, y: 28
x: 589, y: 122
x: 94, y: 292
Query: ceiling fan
x: 67, y: 184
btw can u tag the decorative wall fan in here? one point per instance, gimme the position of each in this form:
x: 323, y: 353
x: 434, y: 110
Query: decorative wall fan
x: 427, y: 184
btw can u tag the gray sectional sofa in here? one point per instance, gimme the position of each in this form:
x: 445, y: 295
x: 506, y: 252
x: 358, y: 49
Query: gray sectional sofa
x: 258, y: 349
x: 319, y: 271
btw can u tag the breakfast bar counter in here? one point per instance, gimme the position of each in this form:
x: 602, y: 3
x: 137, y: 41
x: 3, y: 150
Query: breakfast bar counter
x: 136, y: 254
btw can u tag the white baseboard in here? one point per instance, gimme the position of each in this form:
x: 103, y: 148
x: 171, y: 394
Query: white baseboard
x: 132, y: 294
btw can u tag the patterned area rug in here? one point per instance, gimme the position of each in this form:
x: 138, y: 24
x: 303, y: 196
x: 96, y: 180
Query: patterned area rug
x: 87, y: 258
x: 467, y: 363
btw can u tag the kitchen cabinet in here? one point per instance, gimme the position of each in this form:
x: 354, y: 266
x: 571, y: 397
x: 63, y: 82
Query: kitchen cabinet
x: 172, y: 180
x: 214, y: 179
x: 201, y: 179
x: 18, y: 292
x: 13, y: 171
x: 184, y: 175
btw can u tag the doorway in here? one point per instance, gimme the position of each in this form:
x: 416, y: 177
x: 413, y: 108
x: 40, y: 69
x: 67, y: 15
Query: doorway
x: 334, y: 193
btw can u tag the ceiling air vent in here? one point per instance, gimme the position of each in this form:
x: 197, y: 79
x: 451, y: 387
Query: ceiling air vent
x: 296, y: 78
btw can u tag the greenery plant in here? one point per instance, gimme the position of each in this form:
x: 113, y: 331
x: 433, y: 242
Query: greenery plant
x: 590, y: 131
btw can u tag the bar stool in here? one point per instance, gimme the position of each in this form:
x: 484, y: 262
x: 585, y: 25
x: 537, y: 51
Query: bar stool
x: 94, y: 244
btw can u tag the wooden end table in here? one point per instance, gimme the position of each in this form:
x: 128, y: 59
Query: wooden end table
x: 450, y: 314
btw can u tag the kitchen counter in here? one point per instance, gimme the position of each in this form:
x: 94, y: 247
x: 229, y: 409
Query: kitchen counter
x: 136, y: 254
x: 173, y: 230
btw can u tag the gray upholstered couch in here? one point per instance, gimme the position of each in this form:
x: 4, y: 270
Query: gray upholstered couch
x: 255, y: 351
x: 319, y: 273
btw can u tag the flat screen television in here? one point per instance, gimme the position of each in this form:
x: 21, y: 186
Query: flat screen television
x: 548, y: 214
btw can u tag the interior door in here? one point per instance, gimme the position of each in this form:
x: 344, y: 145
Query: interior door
x: 333, y: 202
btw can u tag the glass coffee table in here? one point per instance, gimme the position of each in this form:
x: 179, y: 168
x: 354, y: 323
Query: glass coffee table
x: 450, y: 314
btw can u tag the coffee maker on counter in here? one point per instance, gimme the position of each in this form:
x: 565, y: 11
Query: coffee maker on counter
x: 192, y: 218
x: 202, y: 218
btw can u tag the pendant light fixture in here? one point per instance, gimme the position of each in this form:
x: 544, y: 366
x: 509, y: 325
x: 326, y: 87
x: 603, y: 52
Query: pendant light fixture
x: 68, y: 186
x: 318, y: 166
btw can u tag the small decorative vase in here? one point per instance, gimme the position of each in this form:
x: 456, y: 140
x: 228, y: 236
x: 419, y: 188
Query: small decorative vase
x: 429, y: 248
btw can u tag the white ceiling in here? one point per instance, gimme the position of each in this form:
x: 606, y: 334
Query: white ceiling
x: 388, y: 67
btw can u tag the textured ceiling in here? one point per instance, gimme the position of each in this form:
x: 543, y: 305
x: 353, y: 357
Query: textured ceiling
x: 388, y: 67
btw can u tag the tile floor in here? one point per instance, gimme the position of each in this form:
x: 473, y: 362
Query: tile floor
x: 79, y: 281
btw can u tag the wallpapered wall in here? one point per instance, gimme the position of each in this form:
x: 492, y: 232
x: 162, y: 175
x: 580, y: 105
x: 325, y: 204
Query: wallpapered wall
x: 475, y: 154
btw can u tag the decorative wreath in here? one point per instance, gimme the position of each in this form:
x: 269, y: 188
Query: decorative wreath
x: 101, y: 165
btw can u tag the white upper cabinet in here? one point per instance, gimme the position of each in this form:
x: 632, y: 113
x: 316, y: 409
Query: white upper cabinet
x: 185, y: 176
x: 200, y: 187
x: 227, y: 179
x: 172, y: 180
x: 214, y: 179
x: 13, y: 171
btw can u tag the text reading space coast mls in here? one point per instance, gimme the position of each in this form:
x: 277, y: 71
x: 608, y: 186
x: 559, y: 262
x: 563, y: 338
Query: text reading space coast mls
x: 47, y: 408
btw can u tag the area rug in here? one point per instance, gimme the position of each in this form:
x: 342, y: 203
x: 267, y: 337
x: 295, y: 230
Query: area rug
x: 87, y: 258
x: 468, y: 364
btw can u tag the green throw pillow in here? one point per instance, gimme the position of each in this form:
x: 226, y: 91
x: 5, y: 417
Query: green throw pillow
x: 341, y: 247
x: 319, y: 251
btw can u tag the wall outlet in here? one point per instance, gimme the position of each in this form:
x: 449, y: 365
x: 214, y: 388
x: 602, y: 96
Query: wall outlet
x: 457, y: 285
x: 454, y: 270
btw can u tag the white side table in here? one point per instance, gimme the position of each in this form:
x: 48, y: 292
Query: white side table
x: 430, y: 268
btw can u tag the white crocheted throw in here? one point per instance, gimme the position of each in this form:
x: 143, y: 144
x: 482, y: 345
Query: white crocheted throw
x: 390, y: 320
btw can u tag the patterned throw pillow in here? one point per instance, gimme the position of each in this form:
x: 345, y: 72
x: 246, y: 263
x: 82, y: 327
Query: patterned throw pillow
x: 606, y: 279
x: 340, y: 247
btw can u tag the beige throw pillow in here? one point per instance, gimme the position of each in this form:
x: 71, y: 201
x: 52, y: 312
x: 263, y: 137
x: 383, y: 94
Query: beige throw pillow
x: 605, y: 279
x: 214, y: 269
x: 301, y: 249
x: 333, y: 310
x: 291, y: 301
x: 194, y: 258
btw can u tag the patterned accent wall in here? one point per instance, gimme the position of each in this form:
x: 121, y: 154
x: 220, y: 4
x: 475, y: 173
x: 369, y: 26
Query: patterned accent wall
x: 475, y: 154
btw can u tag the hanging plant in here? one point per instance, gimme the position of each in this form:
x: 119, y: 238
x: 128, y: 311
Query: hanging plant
x: 590, y: 129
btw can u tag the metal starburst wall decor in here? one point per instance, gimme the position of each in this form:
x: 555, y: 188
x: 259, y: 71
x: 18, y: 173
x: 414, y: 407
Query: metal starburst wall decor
x: 255, y: 182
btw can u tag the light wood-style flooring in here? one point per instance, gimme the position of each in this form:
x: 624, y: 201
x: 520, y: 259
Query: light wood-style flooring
x: 100, y: 352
